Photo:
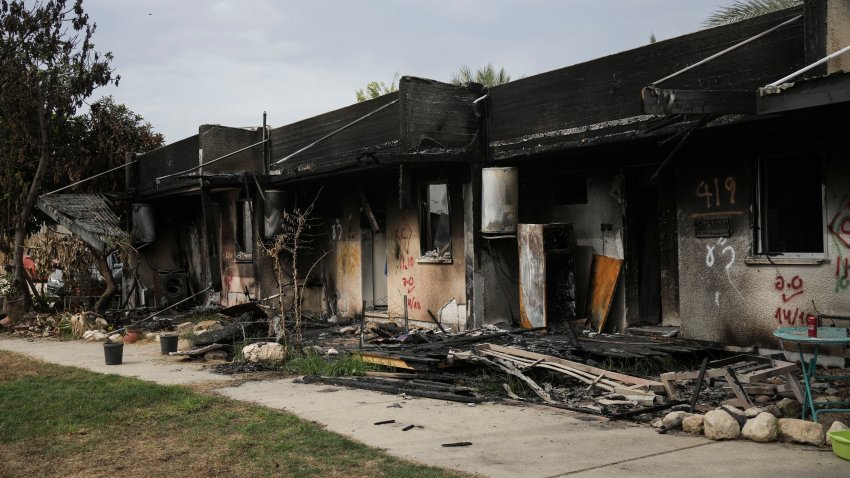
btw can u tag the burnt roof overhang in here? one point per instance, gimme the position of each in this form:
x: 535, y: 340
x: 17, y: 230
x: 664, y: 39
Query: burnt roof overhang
x: 87, y: 216
x: 821, y: 91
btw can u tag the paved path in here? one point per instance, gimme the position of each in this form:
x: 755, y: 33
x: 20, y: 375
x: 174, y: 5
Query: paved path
x: 507, y: 441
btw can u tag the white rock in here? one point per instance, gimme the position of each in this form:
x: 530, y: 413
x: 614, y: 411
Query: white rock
x: 99, y: 336
x: 332, y: 351
x: 657, y: 423
x: 207, y: 326
x: 674, y: 419
x: 753, y: 412
x: 184, y: 345
x: 801, y: 431
x: 115, y: 338
x: 693, y: 424
x: 263, y: 352
x: 719, y: 425
x: 836, y: 427
x: 764, y: 428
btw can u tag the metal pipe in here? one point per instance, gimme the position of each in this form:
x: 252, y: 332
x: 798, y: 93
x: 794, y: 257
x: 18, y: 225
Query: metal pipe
x: 90, y: 178
x: 807, y: 68
x: 195, y: 168
x: 733, y: 47
x: 314, y: 143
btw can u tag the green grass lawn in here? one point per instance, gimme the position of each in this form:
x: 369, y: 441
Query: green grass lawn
x: 63, y: 421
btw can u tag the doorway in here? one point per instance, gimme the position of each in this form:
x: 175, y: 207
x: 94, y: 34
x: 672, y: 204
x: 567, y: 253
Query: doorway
x: 652, y: 283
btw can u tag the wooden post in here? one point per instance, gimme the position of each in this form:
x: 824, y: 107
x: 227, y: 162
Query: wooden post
x: 406, y: 330
x: 362, y: 322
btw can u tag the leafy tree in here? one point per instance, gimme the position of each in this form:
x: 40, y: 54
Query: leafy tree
x: 744, y: 9
x: 97, y: 141
x: 487, y: 76
x: 375, y: 89
x: 48, y: 67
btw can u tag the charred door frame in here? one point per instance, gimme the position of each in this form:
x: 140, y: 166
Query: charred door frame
x: 667, y: 236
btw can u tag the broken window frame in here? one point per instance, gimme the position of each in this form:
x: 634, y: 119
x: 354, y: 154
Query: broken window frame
x: 426, y: 234
x: 244, y: 231
x: 760, y: 219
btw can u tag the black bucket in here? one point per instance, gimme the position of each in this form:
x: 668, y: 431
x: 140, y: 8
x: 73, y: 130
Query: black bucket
x: 113, y: 352
x: 168, y: 343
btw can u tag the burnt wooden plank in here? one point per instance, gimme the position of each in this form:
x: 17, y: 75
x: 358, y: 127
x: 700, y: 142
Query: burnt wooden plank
x: 360, y: 161
x: 168, y: 159
x: 805, y: 94
x: 217, y: 141
x: 559, y: 106
x: 436, y: 115
x: 378, y: 132
x: 659, y: 101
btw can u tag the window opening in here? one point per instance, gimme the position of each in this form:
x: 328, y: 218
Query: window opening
x: 436, y: 238
x: 791, y: 212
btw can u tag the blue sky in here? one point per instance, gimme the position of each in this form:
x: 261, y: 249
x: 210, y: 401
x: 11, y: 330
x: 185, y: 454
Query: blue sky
x: 191, y: 62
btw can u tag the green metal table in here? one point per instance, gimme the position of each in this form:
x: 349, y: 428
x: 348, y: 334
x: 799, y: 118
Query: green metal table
x: 826, y: 336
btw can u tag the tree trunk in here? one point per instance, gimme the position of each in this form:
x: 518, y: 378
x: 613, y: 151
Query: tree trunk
x: 27, y: 208
x: 103, y: 267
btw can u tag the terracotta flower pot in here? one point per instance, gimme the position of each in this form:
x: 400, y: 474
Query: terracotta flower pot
x: 131, y: 337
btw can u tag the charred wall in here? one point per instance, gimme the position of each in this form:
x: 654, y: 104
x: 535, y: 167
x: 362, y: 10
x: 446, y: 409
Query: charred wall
x: 729, y: 292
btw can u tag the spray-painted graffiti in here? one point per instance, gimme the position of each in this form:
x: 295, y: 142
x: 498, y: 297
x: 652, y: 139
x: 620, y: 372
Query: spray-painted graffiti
x: 727, y: 255
x: 839, y: 230
x: 790, y: 290
x: 336, y: 231
x: 704, y: 191
x: 842, y: 282
x: 401, y: 236
x: 407, y: 266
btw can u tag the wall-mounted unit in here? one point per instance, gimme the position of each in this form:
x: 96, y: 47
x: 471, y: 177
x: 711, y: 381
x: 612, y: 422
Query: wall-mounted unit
x: 499, y: 198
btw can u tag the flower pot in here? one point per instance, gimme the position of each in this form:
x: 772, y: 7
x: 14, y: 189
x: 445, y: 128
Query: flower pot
x: 113, y: 352
x: 168, y: 343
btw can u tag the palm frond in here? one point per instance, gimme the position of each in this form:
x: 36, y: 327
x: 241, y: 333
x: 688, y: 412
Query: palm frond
x: 744, y: 9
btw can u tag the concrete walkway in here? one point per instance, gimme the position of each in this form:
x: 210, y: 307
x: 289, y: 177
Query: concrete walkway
x: 507, y: 441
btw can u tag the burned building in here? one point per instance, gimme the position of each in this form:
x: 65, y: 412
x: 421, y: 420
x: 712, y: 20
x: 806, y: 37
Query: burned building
x: 688, y: 183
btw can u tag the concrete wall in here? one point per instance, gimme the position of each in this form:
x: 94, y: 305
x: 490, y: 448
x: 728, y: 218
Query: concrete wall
x: 343, y: 262
x: 726, y: 294
x: 838, y: 34
x: 428, y: 286
x: 603, y: 206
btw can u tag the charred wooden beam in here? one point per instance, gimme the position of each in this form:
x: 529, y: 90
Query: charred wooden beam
x: 660, y: 101
x: 805, y: 94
